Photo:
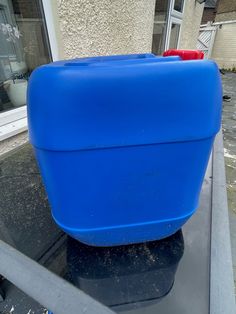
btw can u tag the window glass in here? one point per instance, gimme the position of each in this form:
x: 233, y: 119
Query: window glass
x: 174, y: 36
x: 160, y: 26
x: 178, y: 5
x: 23, y: 47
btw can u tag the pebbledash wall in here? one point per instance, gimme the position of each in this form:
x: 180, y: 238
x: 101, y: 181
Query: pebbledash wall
x: 103, y: 27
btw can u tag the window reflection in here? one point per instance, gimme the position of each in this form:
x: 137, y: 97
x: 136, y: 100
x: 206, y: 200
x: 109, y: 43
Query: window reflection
x: 125, y: 277
x: 160, y: 26
x: 178, y: 5
x: 174, y: 36
x: 23, y: 47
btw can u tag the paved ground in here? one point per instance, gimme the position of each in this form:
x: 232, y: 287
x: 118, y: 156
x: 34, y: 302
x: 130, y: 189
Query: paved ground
x: 229, y: 129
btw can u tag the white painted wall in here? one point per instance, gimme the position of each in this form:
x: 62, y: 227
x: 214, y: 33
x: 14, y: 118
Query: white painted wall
x: 224, y: 49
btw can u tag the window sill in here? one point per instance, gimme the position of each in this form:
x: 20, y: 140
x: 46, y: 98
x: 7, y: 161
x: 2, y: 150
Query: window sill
x: 13, y: 128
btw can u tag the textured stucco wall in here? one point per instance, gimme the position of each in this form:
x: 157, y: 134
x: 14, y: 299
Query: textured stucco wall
x: 227, y: 16
x: 190, y: 26
x: 224, y: 49
x: 103, y: 27
x: 224, y: 6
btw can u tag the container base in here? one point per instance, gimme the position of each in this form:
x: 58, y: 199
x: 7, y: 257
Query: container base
x: 126, y: 234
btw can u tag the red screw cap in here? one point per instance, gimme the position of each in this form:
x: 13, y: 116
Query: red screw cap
x: 184, y: 54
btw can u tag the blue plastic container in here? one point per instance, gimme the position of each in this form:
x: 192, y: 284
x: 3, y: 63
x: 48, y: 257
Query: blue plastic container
x: 123, y: 142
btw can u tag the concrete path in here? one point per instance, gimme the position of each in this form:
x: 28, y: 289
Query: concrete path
x: 229, y: 130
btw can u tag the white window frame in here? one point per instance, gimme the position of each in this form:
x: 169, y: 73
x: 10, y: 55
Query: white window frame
x: 175, y: 13
x: 173, y: 20
x: 14, y: 121
x: 175, y: 17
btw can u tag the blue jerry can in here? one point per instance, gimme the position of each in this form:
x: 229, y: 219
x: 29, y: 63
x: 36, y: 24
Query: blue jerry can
x: 123, y: 142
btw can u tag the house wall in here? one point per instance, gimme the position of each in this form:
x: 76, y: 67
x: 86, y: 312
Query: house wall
x: 226, y: 6
x: 226, y: 16
x: 91, y: 27
x: 226, y: 10
x: 224, y: 49
x: 190, y: 25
